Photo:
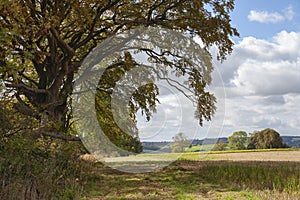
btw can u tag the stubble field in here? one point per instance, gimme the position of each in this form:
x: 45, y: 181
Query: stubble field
x: 217, y: 175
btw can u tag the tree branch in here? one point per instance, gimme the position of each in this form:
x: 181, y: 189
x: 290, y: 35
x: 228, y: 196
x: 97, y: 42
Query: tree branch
x: 27, y: 78
x: 62, y: 44
x: 29, y: 89
x: 25, y: 109
x: 92, y: 34
x: 59, y: 136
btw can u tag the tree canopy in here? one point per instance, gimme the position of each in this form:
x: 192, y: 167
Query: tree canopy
x: 219, y: 146
x: 180, y: 142
x: 238, y: 140
x: 265, y: 139
x: 43, y: 44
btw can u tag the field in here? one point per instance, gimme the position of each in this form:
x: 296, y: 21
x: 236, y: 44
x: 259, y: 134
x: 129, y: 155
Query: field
x: 218, y: 175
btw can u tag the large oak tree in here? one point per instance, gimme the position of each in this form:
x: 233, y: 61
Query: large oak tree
x: 44, y: 42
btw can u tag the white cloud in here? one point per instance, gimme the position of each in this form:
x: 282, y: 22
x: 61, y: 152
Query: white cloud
x: 268, y: 78
x: 271, y: 17
x: 250, y: 114
x: 265, y: 17
x: 268, y: 67
x: 289, y: 13
x: 262, y: 79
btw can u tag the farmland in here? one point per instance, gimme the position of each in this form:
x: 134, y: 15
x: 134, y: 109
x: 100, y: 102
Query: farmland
x: 219, y: 175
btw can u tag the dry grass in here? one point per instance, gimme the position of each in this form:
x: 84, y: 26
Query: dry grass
x: 252, y: 176
x: 287, y: 156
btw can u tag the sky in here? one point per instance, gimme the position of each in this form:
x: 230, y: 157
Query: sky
x: 257, y: 87
x: 262, y: 76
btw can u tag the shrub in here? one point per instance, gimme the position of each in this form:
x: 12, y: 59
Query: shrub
x: 220, y: 146
x: 28, y: 171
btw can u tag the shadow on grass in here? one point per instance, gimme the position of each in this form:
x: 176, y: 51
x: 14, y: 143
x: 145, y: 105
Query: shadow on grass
x: 194, y: 180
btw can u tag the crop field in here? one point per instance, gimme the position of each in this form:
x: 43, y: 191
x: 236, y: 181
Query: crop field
x: 247, y: 155
x: 217, y: 175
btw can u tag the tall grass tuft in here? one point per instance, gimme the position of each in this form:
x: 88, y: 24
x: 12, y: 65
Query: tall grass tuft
x: 30, y: 172
x: 280, y: 176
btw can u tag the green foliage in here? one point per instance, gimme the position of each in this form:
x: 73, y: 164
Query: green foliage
x: 28, y: 171
x: 12, y: 122
x: 120, y: 137
x: 123, y: 133
x: 238, y: 140
x: 180, y: 143
x: 220, y: 146
x: 43, y: 44
x: 265, y: 139
x: 5, y: 121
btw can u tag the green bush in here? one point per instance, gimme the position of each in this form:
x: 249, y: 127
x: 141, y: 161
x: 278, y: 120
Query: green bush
x: 220, y: 146
x: 29, y: 170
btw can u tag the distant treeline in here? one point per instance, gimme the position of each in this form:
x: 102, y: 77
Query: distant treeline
x: 164, y: 146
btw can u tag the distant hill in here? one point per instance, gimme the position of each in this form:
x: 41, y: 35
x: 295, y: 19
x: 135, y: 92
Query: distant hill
x: 165, y: 147
x: 292, y: 141
x: 156, y: 147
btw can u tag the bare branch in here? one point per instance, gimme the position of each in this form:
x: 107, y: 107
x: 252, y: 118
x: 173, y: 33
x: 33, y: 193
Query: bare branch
x: 152, y: 53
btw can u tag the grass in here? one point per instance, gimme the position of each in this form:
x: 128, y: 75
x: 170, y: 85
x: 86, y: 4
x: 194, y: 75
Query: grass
x: 204, y: 147
x: 283, y: 177
x: 192, y: 177
x: 28, y: 172
x: 198, y: 180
